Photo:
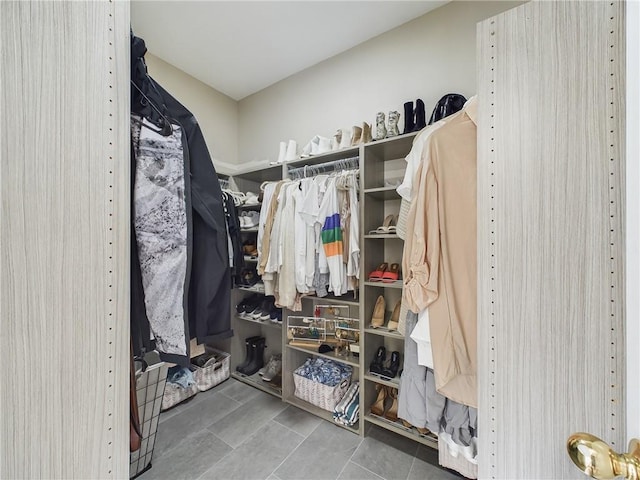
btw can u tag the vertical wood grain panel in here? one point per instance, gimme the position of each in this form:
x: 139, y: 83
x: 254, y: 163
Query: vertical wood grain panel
x: 65, y: 248
x: 550, y: 233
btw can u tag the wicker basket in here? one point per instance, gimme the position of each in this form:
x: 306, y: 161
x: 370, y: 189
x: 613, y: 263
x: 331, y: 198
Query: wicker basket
x: 174, y: 394
x: 212, y: 375
x: 318, y: 394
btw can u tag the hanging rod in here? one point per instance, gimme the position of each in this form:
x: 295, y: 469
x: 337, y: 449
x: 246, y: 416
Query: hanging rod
x: 336, y: 165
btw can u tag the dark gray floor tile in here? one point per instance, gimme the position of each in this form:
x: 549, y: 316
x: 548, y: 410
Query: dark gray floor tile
x: 386, y: 454
x: 424, y: 466
x: 257, y: 457
x: 189, y: 459
x: 353, y: 471
x: 245, y: 420
x: 298, y: 420
x: 239, y: 391
x: 166, y: 415
x: 191, y: 419
x: 322, y: 455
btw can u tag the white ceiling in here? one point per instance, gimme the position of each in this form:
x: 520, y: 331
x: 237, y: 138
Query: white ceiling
x: 241, y: 47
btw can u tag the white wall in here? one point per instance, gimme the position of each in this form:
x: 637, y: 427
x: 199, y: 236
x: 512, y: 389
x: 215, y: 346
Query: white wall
x: 425, y: 58
x: 216, y: 113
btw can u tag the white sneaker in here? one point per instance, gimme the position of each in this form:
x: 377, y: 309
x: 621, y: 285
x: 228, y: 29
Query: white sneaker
x: 274, y: 358
x: 283, y: 152
x: 251, y: 199
x: 273, y: 369
x: 292, y: 151
x: 252, y: 219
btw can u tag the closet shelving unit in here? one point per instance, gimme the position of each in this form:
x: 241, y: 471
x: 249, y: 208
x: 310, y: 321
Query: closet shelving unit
x: 250, y: 181
x: 379, y: 162
x: 294, y: 356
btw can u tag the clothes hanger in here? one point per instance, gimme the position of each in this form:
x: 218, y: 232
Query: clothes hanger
x: 166, y: 128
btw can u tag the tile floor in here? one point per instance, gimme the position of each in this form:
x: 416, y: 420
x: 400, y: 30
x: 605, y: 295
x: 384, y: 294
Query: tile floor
x: 234, y: 431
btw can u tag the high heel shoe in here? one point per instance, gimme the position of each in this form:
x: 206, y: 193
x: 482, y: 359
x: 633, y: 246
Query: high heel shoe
x: 378, y: 406
x: 377, y: 318
x: 392, y: 412
x: 395, y: 317
x: 377, y: 365
x: 394, y: 366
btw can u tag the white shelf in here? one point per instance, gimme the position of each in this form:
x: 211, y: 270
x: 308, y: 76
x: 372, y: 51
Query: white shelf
x: 396, y: 284
x: 249, y: 230
x: 382, y: 193
x: 257, y: 288
x: 345, y: 299
x: 319, y: 412
x: 382, y: 235
x: 395, y: 383
x: 247, y: 258
x: 384, y: 332
x: 256, y: 381
x: 429, y: 440
x: 266, y: 323
x: 330, y: 355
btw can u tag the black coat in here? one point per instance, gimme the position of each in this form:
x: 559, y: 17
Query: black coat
x: 207, y: 306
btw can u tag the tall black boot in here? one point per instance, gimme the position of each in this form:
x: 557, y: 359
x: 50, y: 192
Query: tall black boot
x: 248, y: 355
x: 421, y: 119
x: 257, y: 359
x: 409, y: 118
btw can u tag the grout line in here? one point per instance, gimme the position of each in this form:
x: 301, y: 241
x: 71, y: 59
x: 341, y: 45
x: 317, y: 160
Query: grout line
x: 290, y: 429
x: 413, y: 462
x: 365, y: 468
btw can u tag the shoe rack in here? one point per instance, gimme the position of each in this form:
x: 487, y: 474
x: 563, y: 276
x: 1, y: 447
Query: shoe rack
x: 250, y: 181
x: 382, y: 167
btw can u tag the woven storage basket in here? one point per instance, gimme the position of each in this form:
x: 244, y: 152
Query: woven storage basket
x: 174, y: 394
x: 210, y: 376
x: 317, y: 394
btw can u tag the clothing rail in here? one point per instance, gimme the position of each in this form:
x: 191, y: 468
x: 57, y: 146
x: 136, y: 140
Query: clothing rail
x: 336, y: 165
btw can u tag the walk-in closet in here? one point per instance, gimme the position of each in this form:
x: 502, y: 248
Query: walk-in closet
x: 320, y: 240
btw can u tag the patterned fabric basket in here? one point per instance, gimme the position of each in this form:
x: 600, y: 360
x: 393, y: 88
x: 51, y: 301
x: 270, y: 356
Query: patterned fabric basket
x: 212, y: 375
x: 308, y: 380
x: 174, y: 394
x: 317, y: 394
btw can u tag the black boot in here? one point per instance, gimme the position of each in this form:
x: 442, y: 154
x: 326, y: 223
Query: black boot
x: 377, y: 365
x: 248, y: 354
x: 257, y: 357
x: 394, y: 366
x: 421, y: 119
x: 409, y: 117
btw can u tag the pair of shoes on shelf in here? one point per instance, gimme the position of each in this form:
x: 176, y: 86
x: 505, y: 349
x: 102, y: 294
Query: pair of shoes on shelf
x: 249, y: 219
x: 254, y: 357
x: 391, y: 129
x: 421, y: 430
x: 272, y: 369
x: 379, y: 366
x: 248, y: 278
x: 388, y: 225
x: 288, y: 151
x: 377, y: 318
x: 414, y: 118
x: 317, y: 146
x: 249, y: 248
x: 385, y: 274
x: 251, y: 199
x: 386, y: 405
x: 260, y: 308
x: 359, y: 135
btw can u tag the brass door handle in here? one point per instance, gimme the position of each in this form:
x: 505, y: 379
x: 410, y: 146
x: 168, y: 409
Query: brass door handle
x: 595, y: 458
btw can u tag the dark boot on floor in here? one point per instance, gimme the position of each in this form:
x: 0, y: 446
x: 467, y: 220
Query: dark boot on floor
x: 409, y: 117
x: 421, y: 118
x: 248, y: 355
x: 257, y: 357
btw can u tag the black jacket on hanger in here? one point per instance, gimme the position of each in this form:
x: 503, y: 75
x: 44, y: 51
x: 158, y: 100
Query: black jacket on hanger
x: 207, y: 306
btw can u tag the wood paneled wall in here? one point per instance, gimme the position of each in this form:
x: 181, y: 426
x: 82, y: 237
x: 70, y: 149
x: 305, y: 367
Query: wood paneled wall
x: 65, y: 239
x: 550, y: 231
